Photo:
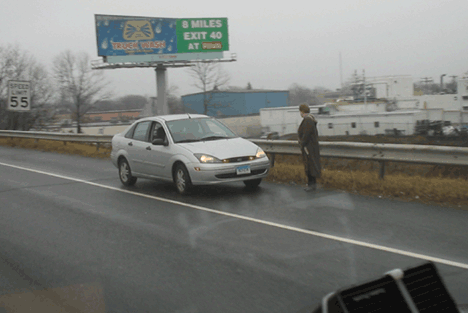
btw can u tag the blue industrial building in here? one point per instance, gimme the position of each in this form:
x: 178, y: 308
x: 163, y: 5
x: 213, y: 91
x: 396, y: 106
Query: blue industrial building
x: 234, y: 102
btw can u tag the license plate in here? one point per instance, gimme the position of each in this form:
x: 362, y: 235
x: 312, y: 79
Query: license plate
x: 241, y: 170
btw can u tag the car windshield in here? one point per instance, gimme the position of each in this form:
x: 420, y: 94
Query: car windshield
x: 198, y: 129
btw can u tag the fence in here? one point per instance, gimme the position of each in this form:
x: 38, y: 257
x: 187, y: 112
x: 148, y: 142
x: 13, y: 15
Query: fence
x: 351, y: 128
x: 420, y: 154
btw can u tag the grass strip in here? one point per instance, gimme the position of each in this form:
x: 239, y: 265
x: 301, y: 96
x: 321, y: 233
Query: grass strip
x: 423, y: 183
x: 74, y: 148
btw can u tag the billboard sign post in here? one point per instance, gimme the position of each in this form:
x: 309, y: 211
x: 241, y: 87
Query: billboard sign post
x: 135, y: 41
x: 19, y: 95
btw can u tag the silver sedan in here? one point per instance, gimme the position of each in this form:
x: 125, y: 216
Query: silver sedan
x: 187, y: 150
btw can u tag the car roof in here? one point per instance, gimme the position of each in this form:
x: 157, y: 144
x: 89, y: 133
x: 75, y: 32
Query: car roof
x: 173, y: 117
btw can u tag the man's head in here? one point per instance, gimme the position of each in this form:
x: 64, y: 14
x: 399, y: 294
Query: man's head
x: 304, y: 109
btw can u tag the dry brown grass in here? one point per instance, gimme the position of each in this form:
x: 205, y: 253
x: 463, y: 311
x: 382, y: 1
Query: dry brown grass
x: 423, y: 183
x: 83, y: 149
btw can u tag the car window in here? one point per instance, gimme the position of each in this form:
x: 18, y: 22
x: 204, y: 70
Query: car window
x: 198, y: 129
x: 129, y: 133
x: 141, y: 131
x: 214, y: 127
x: 157, y: 132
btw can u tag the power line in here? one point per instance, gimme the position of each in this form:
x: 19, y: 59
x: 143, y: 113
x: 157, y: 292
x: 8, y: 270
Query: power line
x: 427, y: 80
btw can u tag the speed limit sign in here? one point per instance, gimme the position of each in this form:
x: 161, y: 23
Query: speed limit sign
x: 19, y: 95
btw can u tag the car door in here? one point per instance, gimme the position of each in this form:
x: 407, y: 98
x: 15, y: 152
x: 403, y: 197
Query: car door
x: 158, y: 156
x: 137, y: 147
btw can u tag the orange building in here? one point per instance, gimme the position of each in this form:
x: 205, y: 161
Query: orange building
x: 112, y: 115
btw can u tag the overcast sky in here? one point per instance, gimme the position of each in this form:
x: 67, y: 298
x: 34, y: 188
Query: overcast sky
x: 277, y: 43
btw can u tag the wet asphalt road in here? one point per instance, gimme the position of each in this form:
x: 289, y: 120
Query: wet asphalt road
x: 197, y: 253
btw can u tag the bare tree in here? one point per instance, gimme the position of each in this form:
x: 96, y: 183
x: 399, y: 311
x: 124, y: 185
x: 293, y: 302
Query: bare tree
x: 174, y: 102
x: 299, y: 94
x: 80, y: 87
x: 17, y: 64
x: 452, y: 86
x: 132, y: 102
x: 427, y: 88
x: 208, y: 76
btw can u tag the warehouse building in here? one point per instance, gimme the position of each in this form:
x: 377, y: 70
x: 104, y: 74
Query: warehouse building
x: 221, y: 103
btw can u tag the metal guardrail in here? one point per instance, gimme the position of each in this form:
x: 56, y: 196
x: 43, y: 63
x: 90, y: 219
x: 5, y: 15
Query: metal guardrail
x: 419, y: 154
x: 382, y: 153
x: 65, y: 137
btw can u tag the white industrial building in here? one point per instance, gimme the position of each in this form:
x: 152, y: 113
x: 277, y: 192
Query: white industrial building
x: 389, y: 87
x: 398, y: 115
x: 287, y: 120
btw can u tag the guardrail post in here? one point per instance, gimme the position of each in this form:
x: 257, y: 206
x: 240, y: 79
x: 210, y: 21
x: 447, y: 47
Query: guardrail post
x: 382, y: 169
x: 64, y: 143
x: 272, y: 159
x: 97, y: 146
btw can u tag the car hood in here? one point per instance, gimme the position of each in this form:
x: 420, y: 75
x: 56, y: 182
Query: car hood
x: 223, y: 148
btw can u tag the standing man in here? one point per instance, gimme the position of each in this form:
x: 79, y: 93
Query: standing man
x: 308, y: 140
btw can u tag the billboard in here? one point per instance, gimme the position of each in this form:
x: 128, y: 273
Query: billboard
x: 119, y: 37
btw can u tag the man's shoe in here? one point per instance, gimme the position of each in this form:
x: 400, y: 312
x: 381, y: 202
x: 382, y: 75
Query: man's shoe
x: 310, y: 187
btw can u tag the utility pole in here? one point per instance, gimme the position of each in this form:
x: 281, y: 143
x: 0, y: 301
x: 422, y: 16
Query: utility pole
x: 341, y: 73
x: 365, y: 89
x: 426, y: 80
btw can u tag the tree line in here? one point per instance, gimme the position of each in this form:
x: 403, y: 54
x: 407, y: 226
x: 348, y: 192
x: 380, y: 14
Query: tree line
x: 71, y: 87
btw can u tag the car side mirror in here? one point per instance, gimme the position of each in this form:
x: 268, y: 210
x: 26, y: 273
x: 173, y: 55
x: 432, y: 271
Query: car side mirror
x: 158, y: 142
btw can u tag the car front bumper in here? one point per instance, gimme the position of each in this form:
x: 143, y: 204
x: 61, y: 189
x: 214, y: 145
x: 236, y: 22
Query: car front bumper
x: 207, y: 174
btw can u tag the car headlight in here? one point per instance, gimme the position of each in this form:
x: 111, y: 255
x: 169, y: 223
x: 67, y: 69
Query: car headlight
x: 260, y: 153
x: 206, y: 158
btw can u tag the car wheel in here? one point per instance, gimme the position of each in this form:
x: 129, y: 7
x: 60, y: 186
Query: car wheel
x: 182, y: 179
x: 125, y: 173
x: 253, y: 182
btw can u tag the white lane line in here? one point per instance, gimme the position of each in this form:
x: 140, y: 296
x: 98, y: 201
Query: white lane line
x: 258, y: 221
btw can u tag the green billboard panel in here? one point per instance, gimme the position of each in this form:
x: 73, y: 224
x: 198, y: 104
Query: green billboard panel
x: 202, y: 35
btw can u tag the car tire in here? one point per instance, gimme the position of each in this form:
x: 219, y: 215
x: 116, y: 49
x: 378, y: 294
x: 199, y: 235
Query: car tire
x: 182, y: 179
x: 125, y: 173
x: 253, y: 183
